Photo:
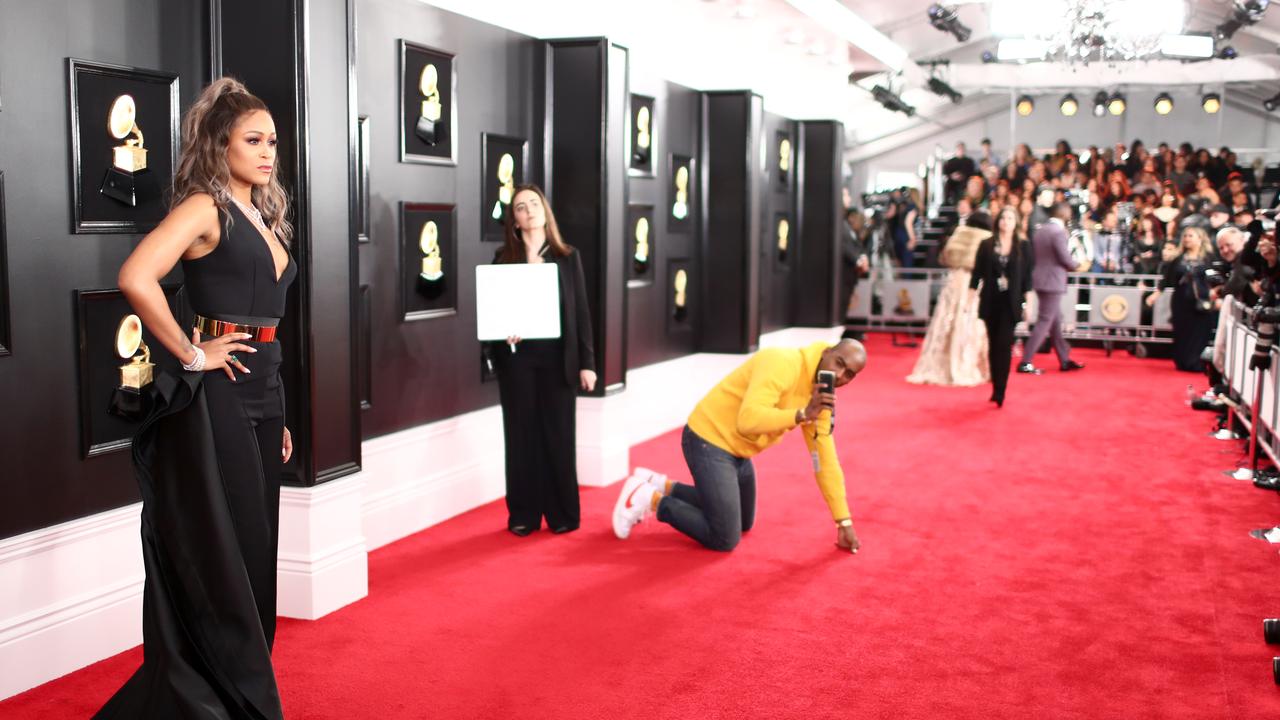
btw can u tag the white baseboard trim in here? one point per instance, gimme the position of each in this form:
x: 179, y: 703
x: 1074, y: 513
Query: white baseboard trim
x: 79, y: 597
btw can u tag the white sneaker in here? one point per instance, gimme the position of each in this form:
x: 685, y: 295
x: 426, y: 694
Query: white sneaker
x: 633, y: 503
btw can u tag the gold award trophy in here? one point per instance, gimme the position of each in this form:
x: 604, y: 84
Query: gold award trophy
x: 127, y: 160
x: 429, y: 127
x: 506, y: 184
x: 642, y: 245
x: 140, y: 371
x: 680, y: 208
x: 429, y: 243
x: 784, y: 230
x: 784, y: 157
x: 681, y: 283
x: 644, y: 137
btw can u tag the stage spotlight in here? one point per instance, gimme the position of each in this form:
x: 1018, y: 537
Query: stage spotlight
x: 1164, y: 104
x: 1245, y: 12
x: 1116, y: 104
x: 1100, y: 104
x: 1211, y: 103
x: 1025, y: 105
x: 1068, y: 105
x: 891, y: 101
x: 988, y: 56
x: 1272, y: 102
x: 945, y: 19
x: 1228, y: 53
x: 938, y: 87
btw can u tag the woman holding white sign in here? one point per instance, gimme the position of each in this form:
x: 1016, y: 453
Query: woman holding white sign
x: 538, y: 379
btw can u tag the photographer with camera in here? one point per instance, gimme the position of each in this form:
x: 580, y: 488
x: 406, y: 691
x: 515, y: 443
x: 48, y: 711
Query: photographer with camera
x: 1193, y: 308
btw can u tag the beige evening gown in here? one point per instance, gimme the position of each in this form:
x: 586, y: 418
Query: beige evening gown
x: 955, y: 345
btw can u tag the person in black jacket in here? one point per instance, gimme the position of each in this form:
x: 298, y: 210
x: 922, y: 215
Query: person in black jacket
x: 1002, y: 269
x: 538, y: 379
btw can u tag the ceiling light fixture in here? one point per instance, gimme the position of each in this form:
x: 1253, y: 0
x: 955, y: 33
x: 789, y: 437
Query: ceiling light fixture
x: 1164, y: 104
x: 1245, y: 12
x: 938, y: 87
x: 1100, y: 104
x: 946, y: 19
x: 1025, y: 105
x: 1211, y: 103
x: 1116, y: 104
x: 1068, y: 105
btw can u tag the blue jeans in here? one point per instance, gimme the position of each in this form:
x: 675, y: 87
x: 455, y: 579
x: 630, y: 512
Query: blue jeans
x: 721, y: 503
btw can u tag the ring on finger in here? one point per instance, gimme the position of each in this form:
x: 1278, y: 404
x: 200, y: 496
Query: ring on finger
x: 233, y: 359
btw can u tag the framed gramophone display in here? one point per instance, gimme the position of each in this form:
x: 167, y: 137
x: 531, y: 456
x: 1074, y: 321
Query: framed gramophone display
x: 124, y: 146
x: 783, y: 161
x: 640, y: 245
x: 680, y: 295
x: 680, y: 195
x: 6, y: 340
x: 428, y: 105
x: 642, y: 136
x: 428, y: 260
x: 504, y: 164
x: 781, y: 240
x: 117, y: 360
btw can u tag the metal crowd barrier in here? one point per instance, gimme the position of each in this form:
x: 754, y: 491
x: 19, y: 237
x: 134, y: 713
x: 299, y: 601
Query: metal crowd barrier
x: 1240, y: 342
x: 1104, y: 307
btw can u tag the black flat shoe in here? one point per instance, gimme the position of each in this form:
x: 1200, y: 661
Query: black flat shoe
x: 521, y: 530
x: 1070, y: 365
x: 562, y: 529
x: 1029, y: 369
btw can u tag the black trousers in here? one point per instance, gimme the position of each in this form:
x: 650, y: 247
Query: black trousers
x: 540, y: 429
x: 1000, y: 325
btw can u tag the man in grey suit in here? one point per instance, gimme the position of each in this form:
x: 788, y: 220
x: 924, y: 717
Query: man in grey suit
x: 1049, y: 279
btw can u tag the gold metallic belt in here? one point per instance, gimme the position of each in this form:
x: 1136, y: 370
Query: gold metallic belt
x: 215, y: 328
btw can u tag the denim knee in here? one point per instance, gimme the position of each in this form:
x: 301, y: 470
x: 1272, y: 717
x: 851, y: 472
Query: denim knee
x: 724, y: 543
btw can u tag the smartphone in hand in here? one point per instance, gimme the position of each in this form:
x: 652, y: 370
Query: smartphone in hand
x: 826, y: 381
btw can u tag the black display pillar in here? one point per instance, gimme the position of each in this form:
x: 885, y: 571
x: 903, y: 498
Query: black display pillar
x: 282, y: 50
x: 584, y: 102
x: 820, y: 218
x: 730, y: 178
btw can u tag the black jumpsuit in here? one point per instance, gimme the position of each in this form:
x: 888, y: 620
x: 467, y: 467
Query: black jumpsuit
x: 208, y: 462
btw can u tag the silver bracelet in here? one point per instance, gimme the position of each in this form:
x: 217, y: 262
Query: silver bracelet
x: 197, y: 362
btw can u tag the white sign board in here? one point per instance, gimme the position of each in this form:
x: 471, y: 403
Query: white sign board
x: 517, y: 299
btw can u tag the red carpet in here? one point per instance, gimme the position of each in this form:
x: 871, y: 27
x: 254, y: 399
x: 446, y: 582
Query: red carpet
x: 1075, y: 555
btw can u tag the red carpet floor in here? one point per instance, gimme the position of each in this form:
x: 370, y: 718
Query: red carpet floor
x: 1077, y: 554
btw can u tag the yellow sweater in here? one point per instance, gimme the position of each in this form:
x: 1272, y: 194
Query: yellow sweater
x: 756, y: 405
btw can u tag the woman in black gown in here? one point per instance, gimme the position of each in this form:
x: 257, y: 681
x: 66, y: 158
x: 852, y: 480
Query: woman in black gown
x: 1194, y: 316
x: 209, y: 455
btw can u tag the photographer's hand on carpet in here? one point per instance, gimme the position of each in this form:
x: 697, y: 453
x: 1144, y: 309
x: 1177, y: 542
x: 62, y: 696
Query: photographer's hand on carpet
x: 847, y: 539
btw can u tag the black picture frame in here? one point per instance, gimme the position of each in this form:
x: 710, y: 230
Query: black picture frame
x: 492, y: 148
x: 782, y: 178
x: 640, y: 159
x: 363, y: 233
x: 782, y: 257
x: 423, y: 298
x: 98, y: 316
x: 676, y: 223
x: 364, y: 350
x: 680, y: 319
x: 414, y: 146
x: 6, y: 339
x: 92, y: 88
x: 641, y: 274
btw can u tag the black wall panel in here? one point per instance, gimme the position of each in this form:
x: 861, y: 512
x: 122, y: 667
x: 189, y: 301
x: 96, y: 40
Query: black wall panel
x: 428, y: 370
x: 820, y: 214
x: 777, y: 281
x: 43, y: 479
x: 675, y: 121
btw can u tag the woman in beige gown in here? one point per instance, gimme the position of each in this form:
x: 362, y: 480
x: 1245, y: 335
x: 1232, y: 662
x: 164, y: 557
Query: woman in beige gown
x: 955, y: 346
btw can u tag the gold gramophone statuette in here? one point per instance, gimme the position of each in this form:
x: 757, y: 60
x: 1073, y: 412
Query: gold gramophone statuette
x: 680, y: 208
x: 642, y: 241
x: 429, y: 243
x: 122, y: 122
x: 784, y: 231
x: 506, y: 184
x: 429, y: 84
x: 682, y: 285
x: 784, y: 155
x: 140, y: 371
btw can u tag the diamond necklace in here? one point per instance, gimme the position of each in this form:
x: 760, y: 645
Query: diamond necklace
x: 254, y: 215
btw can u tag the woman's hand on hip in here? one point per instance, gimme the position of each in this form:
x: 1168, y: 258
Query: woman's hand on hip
x: 286, y: 449
x: 587, y: 379
x: 219, y: 353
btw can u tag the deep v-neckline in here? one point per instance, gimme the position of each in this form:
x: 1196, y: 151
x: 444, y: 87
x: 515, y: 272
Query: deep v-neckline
x: 267, y: 241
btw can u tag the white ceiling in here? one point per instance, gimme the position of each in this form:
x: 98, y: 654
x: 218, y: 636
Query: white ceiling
x: 801, y: 66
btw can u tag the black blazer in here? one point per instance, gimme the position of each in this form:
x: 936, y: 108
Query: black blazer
x: 575, y: 315
x: 986, y: 270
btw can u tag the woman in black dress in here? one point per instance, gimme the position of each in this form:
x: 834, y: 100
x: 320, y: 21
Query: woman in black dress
x: 538, y: 379
x: 1194, y: 317
x: 1002, y: 283
x: 210, y: 453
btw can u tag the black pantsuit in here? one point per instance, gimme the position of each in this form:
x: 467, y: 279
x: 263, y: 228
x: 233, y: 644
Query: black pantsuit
x: 1003, y: 282
x: 537, y: 385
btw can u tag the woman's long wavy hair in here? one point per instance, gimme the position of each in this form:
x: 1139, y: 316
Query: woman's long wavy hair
x: 206, y: 134
x: 513, y: 245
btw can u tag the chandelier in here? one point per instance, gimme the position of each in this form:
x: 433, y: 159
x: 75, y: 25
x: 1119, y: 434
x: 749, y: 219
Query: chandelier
x: 1083, y: 31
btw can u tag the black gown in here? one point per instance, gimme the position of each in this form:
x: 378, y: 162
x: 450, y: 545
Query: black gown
x: 1193, y: 323
x: 208, y: 463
